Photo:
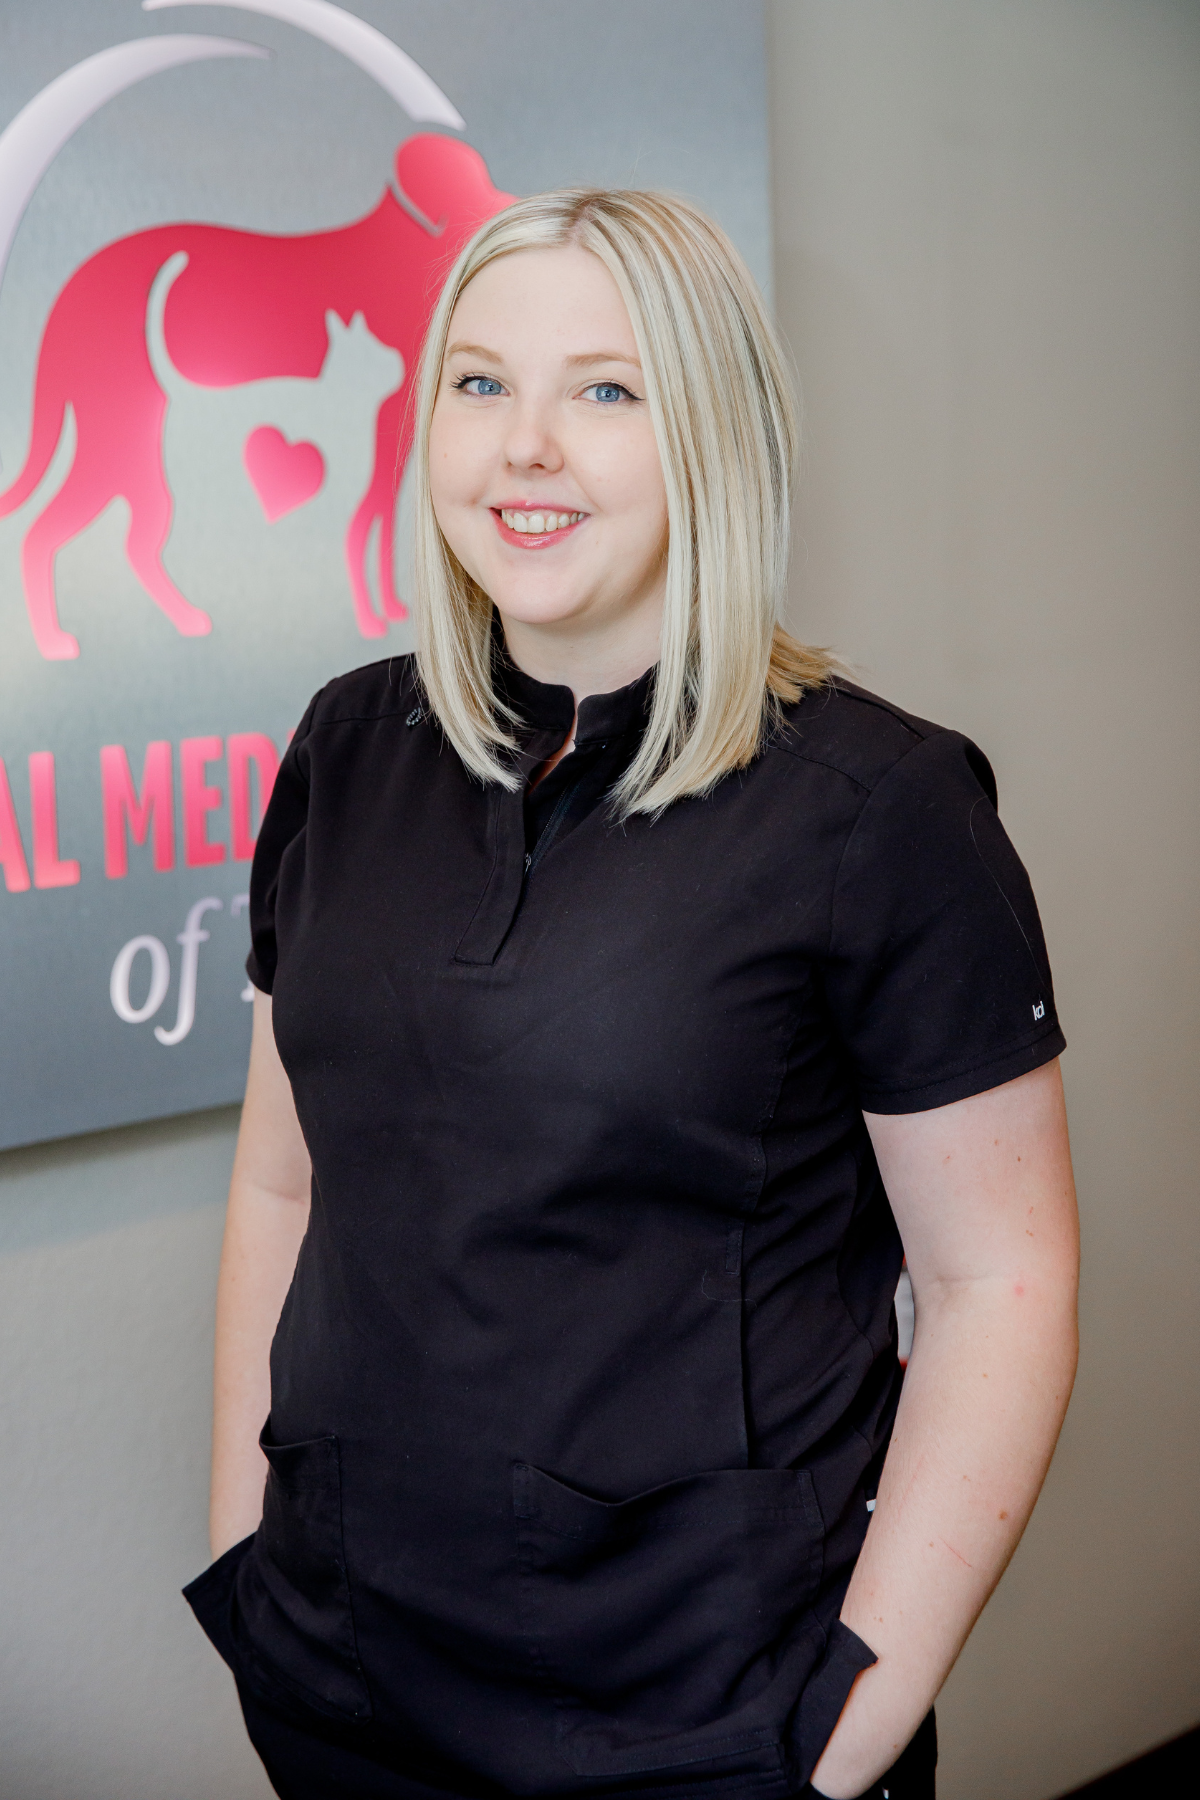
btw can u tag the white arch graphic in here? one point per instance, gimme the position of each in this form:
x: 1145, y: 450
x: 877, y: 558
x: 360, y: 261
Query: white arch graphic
x: 405, y: 80
x: 31, y: 141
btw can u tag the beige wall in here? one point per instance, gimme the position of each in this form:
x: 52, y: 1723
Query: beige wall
x: 987, y: 219
x: 988, y: 223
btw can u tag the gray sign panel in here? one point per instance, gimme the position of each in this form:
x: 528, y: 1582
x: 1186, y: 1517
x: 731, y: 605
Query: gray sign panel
x: 217, y: 270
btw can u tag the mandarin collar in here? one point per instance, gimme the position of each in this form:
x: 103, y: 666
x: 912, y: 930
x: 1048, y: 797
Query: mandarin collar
x: 544, y: 706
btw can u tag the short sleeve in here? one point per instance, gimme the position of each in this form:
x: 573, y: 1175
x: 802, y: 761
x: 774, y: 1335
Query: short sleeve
x: 937, y: 976
x: 283, y: 823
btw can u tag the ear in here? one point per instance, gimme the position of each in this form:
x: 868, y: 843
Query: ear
x: 447, y: 183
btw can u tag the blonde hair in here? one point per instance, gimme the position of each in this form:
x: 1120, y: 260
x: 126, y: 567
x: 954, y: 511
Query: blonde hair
x: 719, y: 392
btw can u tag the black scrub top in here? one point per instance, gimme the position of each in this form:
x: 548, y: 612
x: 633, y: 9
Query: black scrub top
x: 586, y: 1375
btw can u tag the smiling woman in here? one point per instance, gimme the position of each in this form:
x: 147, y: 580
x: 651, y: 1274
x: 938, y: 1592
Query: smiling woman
x: 611, y: 958
x: 630, y: 374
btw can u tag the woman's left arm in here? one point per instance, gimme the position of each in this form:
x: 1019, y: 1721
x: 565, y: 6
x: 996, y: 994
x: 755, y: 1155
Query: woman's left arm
x: 983, y: 1195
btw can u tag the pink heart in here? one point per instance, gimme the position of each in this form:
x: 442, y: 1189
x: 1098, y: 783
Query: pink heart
x: 284, y: 475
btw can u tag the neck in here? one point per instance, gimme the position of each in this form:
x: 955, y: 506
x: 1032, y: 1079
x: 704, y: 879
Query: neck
x: 586, y: 661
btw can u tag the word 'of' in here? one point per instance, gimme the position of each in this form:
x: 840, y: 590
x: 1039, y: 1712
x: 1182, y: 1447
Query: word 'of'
x: 189, y: 940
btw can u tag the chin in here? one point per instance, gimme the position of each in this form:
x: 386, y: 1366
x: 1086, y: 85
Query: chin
x: 524, y: 611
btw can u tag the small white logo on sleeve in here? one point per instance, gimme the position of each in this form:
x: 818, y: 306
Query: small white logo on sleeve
x: 1039, y: 1011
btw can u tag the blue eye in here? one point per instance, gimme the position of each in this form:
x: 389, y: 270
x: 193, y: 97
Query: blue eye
x: 484, y: 387
x: 608, y: 392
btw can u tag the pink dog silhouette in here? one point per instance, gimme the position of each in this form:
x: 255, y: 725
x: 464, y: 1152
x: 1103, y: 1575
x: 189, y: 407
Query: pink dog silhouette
x: 246, y: 307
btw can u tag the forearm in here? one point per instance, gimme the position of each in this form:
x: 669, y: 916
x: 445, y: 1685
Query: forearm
x: 984, y: 1397
x: 263, y: 1234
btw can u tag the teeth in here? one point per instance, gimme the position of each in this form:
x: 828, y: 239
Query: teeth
x: 536, y: 523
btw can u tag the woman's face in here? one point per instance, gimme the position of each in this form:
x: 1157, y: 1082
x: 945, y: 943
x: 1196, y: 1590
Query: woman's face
x: 544, y: 470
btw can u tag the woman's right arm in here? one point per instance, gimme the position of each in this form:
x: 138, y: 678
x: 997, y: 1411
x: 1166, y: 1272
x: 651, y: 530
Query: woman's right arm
x: 264, y: 1227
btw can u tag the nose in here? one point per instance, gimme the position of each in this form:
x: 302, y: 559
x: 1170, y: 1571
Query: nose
x: 531, y: 442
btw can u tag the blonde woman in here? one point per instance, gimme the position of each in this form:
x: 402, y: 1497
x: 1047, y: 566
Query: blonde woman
x: 632, y: 995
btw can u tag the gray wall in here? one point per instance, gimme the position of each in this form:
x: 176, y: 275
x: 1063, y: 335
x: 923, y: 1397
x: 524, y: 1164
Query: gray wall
x: 987, y: 229
x: 108, y: 1262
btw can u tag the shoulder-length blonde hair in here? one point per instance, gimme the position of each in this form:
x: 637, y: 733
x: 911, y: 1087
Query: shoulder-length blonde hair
x: 718, y: 386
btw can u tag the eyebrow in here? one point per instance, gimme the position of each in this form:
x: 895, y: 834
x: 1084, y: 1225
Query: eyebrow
x: 603, y: 356
x: 582, y: 361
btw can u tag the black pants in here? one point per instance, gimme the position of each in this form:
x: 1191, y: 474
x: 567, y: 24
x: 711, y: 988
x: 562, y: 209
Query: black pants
x: 332, y: 1763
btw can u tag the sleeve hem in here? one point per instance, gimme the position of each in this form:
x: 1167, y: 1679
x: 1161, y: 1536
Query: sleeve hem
x: 260, y: 978
x: 978, y: 1080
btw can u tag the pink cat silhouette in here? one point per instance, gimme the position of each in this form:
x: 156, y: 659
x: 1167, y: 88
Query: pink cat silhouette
x: 245, y: 308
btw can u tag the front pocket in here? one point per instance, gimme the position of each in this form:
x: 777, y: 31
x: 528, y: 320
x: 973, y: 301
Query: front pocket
x: 293, y: 1595
x: 210, y: 1597
x: 662, y: 1624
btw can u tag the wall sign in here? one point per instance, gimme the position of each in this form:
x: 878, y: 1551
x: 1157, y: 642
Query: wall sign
x: 222, y: 229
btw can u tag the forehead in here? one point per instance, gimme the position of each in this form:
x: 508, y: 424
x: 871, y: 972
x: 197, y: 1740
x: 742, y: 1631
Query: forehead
x: 563, y: 301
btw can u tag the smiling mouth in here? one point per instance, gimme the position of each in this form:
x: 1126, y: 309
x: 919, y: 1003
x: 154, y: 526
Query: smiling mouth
x: 532, y: 529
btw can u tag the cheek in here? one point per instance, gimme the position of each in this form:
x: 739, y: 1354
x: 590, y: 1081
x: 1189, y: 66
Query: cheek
x: 441, y: 462
x: 628, y: 478
x: 456, y: 460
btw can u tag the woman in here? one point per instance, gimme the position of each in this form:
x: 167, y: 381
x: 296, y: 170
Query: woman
x: 641, y: 994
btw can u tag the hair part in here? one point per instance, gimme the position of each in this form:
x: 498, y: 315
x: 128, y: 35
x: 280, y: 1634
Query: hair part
x: 721, y: 399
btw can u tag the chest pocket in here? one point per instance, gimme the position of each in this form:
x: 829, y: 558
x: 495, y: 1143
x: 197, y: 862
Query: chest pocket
x: 663, y: 1625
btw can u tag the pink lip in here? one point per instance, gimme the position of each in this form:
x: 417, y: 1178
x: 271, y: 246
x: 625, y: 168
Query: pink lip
x: 526, y: 540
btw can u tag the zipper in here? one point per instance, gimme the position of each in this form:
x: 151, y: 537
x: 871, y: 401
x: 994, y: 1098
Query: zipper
x: 550, y: 829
